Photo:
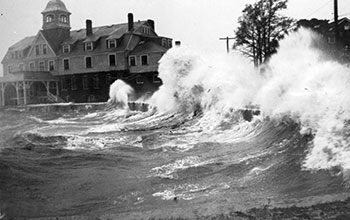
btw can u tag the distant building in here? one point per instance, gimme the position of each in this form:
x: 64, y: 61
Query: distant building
x: 341, y: 47
x: 58, y: 64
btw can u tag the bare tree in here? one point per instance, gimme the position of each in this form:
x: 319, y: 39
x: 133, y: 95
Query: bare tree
x: 260, y: 28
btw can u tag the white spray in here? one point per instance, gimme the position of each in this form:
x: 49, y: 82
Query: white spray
x: 298, y: 81
x: 119, y: 93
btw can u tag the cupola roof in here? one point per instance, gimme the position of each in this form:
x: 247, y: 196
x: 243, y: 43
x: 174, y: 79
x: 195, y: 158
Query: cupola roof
x: 55, y: 5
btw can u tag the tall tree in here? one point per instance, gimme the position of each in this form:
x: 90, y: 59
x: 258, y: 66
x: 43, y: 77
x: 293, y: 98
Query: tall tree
x: 260, y: 27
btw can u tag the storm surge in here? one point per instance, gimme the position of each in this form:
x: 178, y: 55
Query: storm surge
x: 219, y: 137
x: 299, y: 82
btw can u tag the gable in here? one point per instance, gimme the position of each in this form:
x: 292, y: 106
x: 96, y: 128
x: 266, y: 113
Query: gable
x: 146, y: 30
x: 40, y: 48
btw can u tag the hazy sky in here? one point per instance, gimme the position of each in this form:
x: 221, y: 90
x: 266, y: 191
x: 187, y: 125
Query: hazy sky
x: 196, y: 23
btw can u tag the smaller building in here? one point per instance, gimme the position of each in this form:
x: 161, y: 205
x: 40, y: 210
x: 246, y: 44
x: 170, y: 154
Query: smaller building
x: 60, y: 64
x: 338, y: 47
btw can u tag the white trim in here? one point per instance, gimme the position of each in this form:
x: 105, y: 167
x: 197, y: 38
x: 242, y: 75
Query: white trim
x: 65, y: 47
x: 92, y: 46
x: 130, y: 60
x: 49, y: 15
x: 109, y: 43
x: 86, y: 62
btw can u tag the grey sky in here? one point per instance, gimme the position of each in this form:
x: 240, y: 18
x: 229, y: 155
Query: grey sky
x: 196, y: 23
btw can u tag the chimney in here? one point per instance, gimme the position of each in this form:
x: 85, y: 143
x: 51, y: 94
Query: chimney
x: 88, y: 27
x: 130, y: 22
x: 151, y: 23
x: 177, y: 43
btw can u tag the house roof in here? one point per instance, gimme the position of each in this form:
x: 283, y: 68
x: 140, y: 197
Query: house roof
x: 149, y: 47
x: 114, y: 31
x: 55, y: 5
x: 23, y: 44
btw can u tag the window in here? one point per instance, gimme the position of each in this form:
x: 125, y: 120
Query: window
x: 49, y: 18
x: 132, y: 60
x: 146, y: 30
x: 88, y: 62
x: 347, y: 27
x: 88, y: 46
x: 16, y: 54
x: 41, y: 65
x: 21, y: 67
x: 144, y: 60
x: 63, y: 84
x: 66, y: 64
x: 37, y: 50
x: 156, y: 79
x: 112, y: 60
x: 139, y: 80
x: 112, y: 43
x: 85, y: 83
x: 51, y: 65
x: 32, y: 66
x: 10, y: 68
x: 66, y: 48
x: 44, y: 49
x: 164, y: 42
x: 331, y: 40
x: 63, y: 19
x: 170, y: 43
x: 96, y: 82
x: 73, y: 83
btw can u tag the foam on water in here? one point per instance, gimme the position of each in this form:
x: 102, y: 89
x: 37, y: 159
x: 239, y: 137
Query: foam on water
x: 299, y: 81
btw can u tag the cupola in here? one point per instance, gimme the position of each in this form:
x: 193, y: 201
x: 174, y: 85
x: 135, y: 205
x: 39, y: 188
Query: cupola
x: 56, y: 15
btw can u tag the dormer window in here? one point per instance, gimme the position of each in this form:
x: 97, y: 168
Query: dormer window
x: 146, y: 30
x: 49, y: 18
x: 88, y: 46
x: 66, y: 48
x: 112, y: 43
x: 63, y: 19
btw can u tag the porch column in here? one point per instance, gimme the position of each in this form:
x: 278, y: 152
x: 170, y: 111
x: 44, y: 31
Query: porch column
x: 2, y: 89
x: 16, y: 84
x: 47, y: 85
x: 57, y: 90
x: 25, y: 92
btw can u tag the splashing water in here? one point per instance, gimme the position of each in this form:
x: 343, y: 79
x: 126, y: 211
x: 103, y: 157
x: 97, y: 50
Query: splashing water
x: 298, y: 82
x: 119, y: 93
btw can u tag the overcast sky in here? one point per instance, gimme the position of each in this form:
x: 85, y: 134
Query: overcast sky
x: 196, y: 23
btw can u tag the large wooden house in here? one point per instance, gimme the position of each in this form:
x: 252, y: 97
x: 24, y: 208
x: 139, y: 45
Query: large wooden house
x: 58, y: 64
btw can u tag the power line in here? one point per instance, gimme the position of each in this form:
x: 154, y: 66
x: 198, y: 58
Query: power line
x: 326, y: 3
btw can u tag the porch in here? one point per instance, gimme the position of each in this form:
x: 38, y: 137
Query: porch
x: 23, y: 88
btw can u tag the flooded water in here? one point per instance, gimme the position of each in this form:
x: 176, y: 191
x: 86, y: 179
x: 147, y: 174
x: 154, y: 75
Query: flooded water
x: 219, y: 136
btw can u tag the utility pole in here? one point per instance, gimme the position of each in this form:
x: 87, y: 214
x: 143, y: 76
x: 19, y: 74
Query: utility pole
x: 336, y: 28
x: 227, y: 42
